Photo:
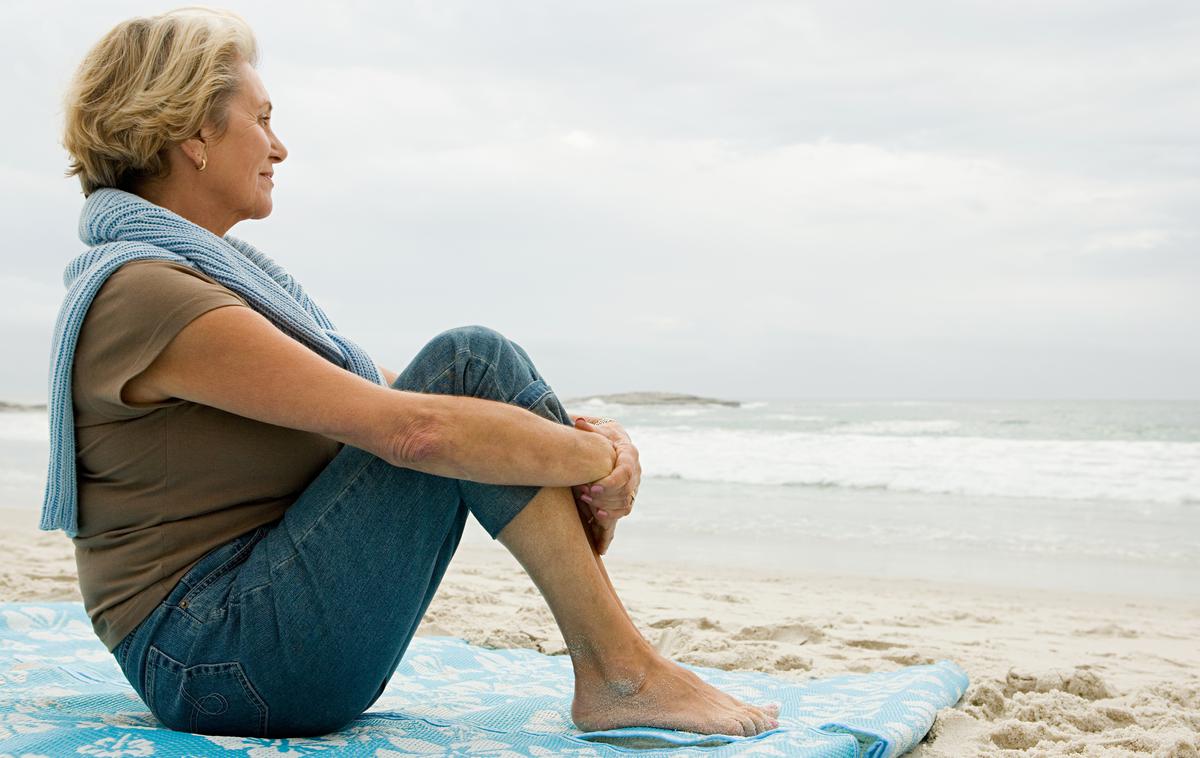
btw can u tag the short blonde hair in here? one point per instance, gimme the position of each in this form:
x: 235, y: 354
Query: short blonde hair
x: 148, y: 83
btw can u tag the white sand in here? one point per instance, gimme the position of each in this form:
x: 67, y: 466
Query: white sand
x: 1051, y: 673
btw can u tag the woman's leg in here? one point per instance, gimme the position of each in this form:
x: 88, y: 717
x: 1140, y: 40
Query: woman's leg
x: 619, y: 679
x: 322, y: 609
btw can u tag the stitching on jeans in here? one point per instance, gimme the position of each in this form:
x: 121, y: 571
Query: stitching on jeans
x: 449, y: 366
x: 336, y: 499
x: 253, y: 696
x: 243, y: 593
x: 226, y: 566
x: 490, y: 366
x: 442, y: 373
x: 239, y: 675
x: 539, y: 397
x: 476, y: 356
x: 542, y: 397
x: 148, y: 679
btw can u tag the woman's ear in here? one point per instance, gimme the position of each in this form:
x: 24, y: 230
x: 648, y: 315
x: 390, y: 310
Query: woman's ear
x: 196, y: 149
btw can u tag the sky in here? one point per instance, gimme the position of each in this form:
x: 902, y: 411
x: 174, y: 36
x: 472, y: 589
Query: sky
x: 928, y: 200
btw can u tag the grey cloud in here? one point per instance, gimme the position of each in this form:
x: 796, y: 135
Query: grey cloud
x: 750, y: 199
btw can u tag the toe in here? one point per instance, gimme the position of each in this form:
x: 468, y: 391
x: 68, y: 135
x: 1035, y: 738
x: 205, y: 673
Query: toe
x: 770, y: 719
x: 732, y: 727
x: 760, y: 721
x: 749, y: 728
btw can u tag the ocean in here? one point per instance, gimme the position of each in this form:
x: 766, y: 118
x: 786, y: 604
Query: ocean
x: 1078, y: 496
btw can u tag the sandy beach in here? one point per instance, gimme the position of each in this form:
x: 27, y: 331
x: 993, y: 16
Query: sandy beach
x: 1051, y: 673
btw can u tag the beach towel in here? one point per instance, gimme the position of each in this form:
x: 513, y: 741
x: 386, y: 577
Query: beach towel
x: 62, y: 693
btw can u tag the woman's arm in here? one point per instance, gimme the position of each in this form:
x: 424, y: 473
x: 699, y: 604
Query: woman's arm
x: 234, y: 359
x: 389, y: 375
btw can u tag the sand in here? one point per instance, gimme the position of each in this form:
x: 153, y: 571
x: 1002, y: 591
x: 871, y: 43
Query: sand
x: 1051, y: 673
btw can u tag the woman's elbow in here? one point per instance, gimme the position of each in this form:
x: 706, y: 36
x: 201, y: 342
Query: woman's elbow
x: 418, y: 442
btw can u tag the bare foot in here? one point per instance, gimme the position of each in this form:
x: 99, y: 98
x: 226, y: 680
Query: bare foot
x: 655, y: 692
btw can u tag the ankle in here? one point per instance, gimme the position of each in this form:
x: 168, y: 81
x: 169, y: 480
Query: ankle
x: 622, y: 665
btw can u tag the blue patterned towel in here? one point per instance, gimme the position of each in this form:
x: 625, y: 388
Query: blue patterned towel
x: 61, y: 693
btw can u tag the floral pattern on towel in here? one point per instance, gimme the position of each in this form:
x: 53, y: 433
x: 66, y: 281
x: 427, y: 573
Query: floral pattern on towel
x: 61, y: 693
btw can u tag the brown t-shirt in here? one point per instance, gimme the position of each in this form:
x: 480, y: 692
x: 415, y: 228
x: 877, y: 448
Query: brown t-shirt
x: 161, y: 484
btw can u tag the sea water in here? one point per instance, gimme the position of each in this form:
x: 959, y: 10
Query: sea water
x: 1094, y: 496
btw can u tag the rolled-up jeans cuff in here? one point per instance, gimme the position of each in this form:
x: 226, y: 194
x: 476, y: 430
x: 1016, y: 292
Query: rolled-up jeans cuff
x: 532, y: 395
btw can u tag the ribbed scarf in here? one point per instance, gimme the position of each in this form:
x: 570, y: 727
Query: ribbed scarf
x: 121, y: 227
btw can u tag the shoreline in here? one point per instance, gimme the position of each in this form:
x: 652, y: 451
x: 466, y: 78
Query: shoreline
x: 1052, y: 672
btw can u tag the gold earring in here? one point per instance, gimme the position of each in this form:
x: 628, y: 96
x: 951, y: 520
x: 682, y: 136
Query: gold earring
x: 203, y: 162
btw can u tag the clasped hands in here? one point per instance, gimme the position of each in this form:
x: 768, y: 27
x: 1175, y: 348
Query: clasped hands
x: 603, y: 502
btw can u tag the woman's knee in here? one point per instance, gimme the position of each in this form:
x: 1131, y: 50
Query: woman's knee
x: 436, y: 361
x: 480, y: 361
x: 481, y: 340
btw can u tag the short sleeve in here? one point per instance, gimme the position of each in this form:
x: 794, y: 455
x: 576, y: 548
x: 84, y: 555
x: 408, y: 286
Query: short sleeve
x: 136, y: 313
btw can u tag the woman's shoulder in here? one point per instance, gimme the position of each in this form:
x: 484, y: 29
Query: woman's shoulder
x: 166, y: 279
x: 157, y: 283
x: 138, y: 310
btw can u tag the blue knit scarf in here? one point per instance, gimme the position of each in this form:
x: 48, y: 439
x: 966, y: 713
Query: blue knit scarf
x: 121, y: 227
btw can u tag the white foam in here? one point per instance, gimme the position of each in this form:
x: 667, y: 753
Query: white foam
x: 899, y: 426
x: 1142, y: 471
x: 24, y: 426
x: 685, y: 412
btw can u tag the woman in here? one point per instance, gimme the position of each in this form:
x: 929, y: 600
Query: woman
x: 261, y: 521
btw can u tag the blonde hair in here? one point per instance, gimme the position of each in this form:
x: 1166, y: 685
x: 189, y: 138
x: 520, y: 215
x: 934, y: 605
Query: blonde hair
x: 148, y: 83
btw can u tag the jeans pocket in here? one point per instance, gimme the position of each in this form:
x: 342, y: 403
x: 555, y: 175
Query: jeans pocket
x: 207, y: 698
x: 203, y: 598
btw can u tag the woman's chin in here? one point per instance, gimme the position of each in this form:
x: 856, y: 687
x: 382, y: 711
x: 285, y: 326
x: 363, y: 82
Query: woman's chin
x: 263, y: 210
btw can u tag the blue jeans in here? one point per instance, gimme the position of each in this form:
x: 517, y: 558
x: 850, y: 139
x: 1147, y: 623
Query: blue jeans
x: 294, y: 628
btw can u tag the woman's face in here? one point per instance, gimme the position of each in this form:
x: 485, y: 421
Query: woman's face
x: 236, y: 178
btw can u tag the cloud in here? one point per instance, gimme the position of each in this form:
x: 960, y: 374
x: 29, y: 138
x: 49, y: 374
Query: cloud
x: 795, y: 199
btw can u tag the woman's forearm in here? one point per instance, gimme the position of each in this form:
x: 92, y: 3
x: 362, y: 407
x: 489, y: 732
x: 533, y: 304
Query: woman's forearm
x: 492, y: 442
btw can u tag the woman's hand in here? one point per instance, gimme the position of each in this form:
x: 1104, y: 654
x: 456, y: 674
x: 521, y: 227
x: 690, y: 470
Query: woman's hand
x: 611, y: 498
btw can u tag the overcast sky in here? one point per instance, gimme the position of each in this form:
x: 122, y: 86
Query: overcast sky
x: 742, y: 199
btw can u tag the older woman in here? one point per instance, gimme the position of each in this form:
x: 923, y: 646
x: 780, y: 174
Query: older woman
x: 261, y: 519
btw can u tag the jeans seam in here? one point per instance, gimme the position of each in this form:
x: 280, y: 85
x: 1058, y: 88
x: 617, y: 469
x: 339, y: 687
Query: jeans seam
x: 334, y: 501
x: 440, y: 374
x: 453, y: 361
x: 472, y: 354
x: 212, y: 576
x: 538, y: 399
